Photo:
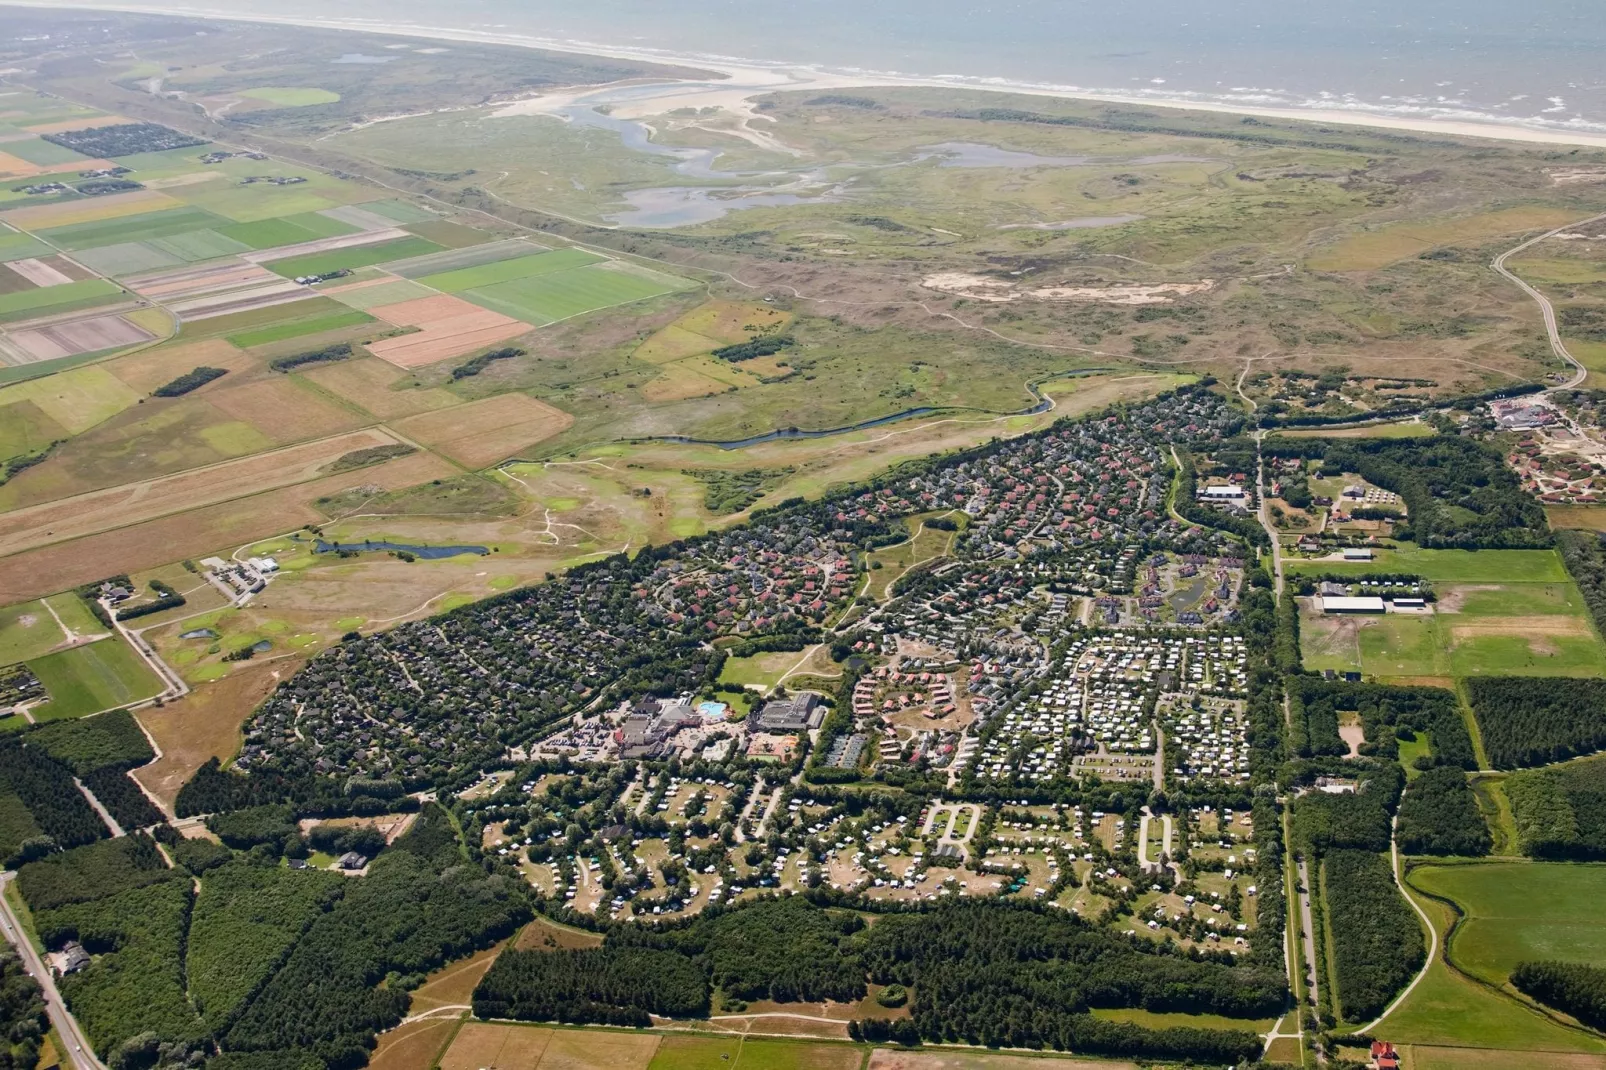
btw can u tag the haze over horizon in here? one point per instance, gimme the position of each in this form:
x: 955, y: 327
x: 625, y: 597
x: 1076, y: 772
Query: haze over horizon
x: 1447, y: 59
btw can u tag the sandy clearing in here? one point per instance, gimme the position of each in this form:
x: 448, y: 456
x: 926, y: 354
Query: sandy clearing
x: 198, y: 532
x: 133, y: 503
x: 437, y: 343
x: 984, y: 288
x: 423, y: 310
x: 39, y: 273
x: 80, y: 336
x: 325, y: 245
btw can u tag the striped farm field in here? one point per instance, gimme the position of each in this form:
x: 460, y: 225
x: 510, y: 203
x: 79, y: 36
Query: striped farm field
x: 286, y: 230
x: 300, y: 328
x: 549, y: 298
x: 92, y: 210
x: 17, y: 246
x: 127, y: 258
x: 457, y: 259
x: 355, y: 256
x: 51, y: 296
x: 200, y: 245
x: 373, y: 294
x: 133, y: 228
x: 525, y: 267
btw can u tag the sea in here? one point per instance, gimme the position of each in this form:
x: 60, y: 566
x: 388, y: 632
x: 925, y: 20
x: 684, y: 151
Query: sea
x: 1539, y: 63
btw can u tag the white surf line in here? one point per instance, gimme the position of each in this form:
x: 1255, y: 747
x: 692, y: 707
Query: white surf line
x: 764, y: 77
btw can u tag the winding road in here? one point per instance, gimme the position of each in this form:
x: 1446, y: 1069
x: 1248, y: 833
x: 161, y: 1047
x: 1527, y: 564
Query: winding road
x: 1546, y: 309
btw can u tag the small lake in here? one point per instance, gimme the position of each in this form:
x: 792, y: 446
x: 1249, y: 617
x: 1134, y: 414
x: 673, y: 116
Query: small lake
x: 198, y: 633
x: 425, y: 553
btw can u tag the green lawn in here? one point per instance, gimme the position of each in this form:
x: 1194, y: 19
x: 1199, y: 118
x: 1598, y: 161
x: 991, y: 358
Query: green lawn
x: 299, y: 328
x: 1516, y: 911
x: 548, y: 298
x: 524, y: 267
x: 1448, y: 566
x: 355, y: 257
x: 91, y: 678
x: 50, y: 296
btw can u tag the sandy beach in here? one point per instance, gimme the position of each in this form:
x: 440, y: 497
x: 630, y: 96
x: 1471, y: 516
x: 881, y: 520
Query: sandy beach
x: 740, y: 81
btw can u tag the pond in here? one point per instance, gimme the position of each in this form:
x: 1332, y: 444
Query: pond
x: 426, y: 553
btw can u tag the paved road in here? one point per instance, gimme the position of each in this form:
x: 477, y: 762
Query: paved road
x: 1545, y: 307
x: 1433, y: 934
x: 1308, y: 925
x: 81, y: 1053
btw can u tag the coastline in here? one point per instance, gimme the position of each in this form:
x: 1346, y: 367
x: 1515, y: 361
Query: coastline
x: 743, y: 80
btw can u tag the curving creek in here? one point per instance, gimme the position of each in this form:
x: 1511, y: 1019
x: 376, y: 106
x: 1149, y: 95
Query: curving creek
x: 685, y: 205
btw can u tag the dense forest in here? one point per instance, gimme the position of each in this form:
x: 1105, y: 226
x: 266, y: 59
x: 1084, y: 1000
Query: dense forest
x: 22, y: 1014
x: 1535, y: 720
x: 1571, y: 987
x: 1584, y: 554
x: 1378, y: 943
x: 1458, y: 493
x: 1360, y: 819
x: 1387, y: 712
x: 1439, y: 815
x: 1560, y: 812
x: 986, y: 973
x: 193, y: 379
x: 40, y: 807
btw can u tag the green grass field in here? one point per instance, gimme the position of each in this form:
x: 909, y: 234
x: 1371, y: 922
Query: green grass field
x: 1522, y: 629
x: 549, y: 298
x: 44, y: 153
x: 91, y: 678
x: 15, y: 245
x: 299, y: 328
x: 457, y: 259
x: 286, y: 230
x: 400, y: 211
x: 524, y: 267
x: 1448, y: 566
x: 27, y: 631
x: 24, y: 427
x: 199, y: 245
x: 77, y: 400
x: 291, y: 97
x: 355, y: 257
x: 134, y: 228
x: 127, y: 258
x: 1517, y: 911
x: 728, y: 1053
x: 386, y: 293
x: 1449, y: 1009
x: 70, y: 293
